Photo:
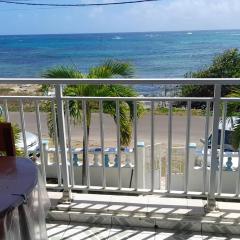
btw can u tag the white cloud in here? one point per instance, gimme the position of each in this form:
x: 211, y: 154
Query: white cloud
x: 172, y: 15
x: 95, y: 12
x: 165, y: 15
x: 186, y: 14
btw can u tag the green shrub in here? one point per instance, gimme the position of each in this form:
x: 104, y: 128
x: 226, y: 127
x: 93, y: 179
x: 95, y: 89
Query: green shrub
x: 225, y: 65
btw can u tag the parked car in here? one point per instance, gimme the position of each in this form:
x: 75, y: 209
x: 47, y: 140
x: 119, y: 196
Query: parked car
x: 231, y: 123
x: 32, y: 142
x: 1, y: 111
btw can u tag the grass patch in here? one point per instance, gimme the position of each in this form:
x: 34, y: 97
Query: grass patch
x: 179, y: 111
x: 6, y: 91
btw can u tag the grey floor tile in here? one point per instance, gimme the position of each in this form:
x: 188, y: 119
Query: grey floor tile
x: 55, y: 230
x: 171, y: 235
x: 79, y: 231
x: 84, y: 232
x: 215, y: 236
x: 131, y: 234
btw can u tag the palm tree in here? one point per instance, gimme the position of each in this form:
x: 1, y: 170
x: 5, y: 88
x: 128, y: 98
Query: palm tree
x: 109, y: 69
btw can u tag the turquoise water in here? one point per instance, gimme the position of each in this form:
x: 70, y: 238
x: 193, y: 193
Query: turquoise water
x: 154, y: 54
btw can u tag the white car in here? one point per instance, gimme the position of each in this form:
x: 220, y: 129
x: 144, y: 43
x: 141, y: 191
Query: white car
x: 32, y: 142
x: 231, y: 123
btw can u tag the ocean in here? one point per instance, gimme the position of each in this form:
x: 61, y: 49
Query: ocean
x: 153, y: 54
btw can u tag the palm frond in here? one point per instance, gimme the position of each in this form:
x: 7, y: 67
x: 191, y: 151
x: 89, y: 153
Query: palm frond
x: 120, y: 68
x: 62, y: 72
x: 234, y: 107
x: 112, y: 68
x: 59, y: 72
x: 109, y: 69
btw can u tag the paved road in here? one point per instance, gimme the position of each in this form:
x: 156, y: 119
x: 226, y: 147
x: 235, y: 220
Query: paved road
x: 144, y: 128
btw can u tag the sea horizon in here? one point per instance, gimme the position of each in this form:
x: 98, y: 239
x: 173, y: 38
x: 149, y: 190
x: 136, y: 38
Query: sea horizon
x: 154, y: 31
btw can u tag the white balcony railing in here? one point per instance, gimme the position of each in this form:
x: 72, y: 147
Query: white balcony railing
x: 211, y: 177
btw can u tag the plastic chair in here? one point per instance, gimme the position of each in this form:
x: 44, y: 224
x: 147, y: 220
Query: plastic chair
x: 7, y: 143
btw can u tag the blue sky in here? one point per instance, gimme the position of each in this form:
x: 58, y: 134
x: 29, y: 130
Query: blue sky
x: 166, y: 15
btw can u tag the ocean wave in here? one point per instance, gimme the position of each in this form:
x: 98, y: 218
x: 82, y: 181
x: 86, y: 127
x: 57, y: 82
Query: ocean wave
x: 117, y: 38
x: 151, y: 35
x: 189, y: 33
x: 235, y: 34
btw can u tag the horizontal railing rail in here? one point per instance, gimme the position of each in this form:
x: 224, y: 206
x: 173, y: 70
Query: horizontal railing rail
x: 150, y: 166
x: 165, y: 81
x: 176, y: 99
x: 39, y: 98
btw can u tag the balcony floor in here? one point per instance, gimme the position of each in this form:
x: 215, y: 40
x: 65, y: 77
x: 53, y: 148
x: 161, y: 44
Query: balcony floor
x: 65, y: 230
x: 151, y: 212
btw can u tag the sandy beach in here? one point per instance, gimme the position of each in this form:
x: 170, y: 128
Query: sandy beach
x: 144, y: 129
x: 20, y: 89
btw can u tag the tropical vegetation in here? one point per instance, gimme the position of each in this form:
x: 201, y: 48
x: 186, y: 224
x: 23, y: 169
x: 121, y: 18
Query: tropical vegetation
x: 109, y: 69
x: 225, y: 65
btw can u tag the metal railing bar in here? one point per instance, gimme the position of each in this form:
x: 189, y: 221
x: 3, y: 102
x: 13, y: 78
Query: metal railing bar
x: 135, y: 122
x: 152, y: 146
x: 169, y: 166
x: 102, y: 143
x: 232, y: 99
x: 40, y: 98
x: 59, y: 173
x: 146, y: 99
x: 238, y: 175
x: 6, y: 114
x: 143, y: 191
x: 168, y: 81
x: 118, y: 144
x: 69, y: 142
x: 205, y: 155
x: 40, y: 141
x: 186, y: 169
x: 67, y: 193
x: 224, y: 114
x: 211, y: 202
x: 85, y: 131
x: 23, y: 128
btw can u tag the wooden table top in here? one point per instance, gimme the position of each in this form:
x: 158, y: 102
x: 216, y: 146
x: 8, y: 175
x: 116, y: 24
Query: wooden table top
x: 18, y: 177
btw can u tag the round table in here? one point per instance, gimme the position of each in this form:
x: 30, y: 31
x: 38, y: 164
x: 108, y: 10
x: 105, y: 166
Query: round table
x: 18, y: 177
x: 23, y: 200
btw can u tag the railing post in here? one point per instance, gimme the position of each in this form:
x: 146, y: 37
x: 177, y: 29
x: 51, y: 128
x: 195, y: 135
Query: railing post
x: 141, y: 166
x: 45, y: 153
x: 67, y: 195
x: 211, y: 202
